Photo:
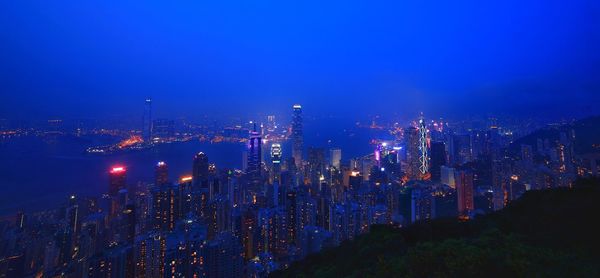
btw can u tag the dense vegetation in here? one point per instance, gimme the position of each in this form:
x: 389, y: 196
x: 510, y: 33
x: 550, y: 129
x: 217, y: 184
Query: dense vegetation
x: 551, y: 233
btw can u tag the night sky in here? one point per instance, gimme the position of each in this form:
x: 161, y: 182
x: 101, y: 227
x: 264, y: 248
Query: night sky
x: 344, y: 58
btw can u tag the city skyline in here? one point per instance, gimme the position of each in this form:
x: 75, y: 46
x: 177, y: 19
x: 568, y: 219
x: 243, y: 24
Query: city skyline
x: 259, y: 139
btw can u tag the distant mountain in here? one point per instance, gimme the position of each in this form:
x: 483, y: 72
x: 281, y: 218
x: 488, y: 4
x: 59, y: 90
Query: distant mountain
x: 551, y: 233
x: 587, y: 135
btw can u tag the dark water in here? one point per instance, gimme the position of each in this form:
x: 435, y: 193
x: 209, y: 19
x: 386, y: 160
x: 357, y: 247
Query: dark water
x: 37, y: 173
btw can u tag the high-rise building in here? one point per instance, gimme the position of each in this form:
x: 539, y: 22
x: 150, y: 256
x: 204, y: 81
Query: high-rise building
x: 161, y: 174
x: 464, y: 191
x: 316, y: 164
x: 129, y: 232
x: 292, y: 216
x: 412, y: 152
x: 423, y: 149
x: 447, y: 176
x: 147, y: 121
x: 438, y: 159
x: 254, y: 157
x: 335, y: 157
x: 461, y: 146
x: 117, y: 180
x: 224, y: 257
x: 418, y: 152
x: 150, y: 253
x: 422, y: 205
x: 200, y: 170
x: 297, y: 135
x: 276, y: 154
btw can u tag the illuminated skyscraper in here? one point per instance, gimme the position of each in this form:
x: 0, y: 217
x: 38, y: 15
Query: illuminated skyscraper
x: 276, y: 153
x: 254, y: 157
x: 418, y: 152
x: 276, y: 161
x: 147, y: 121
x: 423, y: 149
x: 291, y: 207
x: 412, y: 153
x: 200, y: 170
x: 161, y: 174
x: 464, y: 190
x: 117, y: 180
x: 297, y: 135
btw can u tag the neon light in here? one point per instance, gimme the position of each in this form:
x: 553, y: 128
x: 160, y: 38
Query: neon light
x: 186, y: 179
x: 118, y: 169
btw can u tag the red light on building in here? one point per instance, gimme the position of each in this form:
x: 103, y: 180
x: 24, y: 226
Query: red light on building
x: 117, y: 180
x: 117, y: 169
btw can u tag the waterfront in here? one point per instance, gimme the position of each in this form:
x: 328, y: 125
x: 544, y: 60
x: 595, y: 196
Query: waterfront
x: 38, y: 173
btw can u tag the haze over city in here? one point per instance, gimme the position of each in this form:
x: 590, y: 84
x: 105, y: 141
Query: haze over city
x: 299, y: 139
x: 98, y: 59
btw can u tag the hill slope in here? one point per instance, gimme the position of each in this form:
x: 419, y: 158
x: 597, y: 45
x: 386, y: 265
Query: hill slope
x: 552, y: 233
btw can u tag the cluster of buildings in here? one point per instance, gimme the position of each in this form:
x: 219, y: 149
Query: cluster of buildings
x: 221, y: 222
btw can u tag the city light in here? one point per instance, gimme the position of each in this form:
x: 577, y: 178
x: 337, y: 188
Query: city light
x: 117, y: 169
x: 297, y: 139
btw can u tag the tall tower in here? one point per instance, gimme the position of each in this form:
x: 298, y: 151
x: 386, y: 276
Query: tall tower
x: 335, y: 157
x: 147, y: 121
x: 117, y: 179
x: 254, y: 156
x: 161, y: 174
x: 423, y: 149
x: 276, y: 160
x: 412, y: 151
x: 438, y: 159
x: 200, y: 170
x: 297, y: 135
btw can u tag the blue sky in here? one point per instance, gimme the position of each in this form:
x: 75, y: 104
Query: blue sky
x: 344, y: 58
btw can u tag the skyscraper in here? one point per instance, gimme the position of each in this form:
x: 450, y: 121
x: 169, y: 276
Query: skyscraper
x: 335, y: 157
x: 161, y: 174
x: 412, y: 152
x: 316, y: 164
x: 461, y: 146
x: 464, y: 190
x: 147, y: 121
x: 254, y: 157
x: 276, y: 161
x: 438, y: 159
x: 117, y: 180
x: 276, y: 153
x: 200, y: 170
x: 297, y: 135
x: 418, y: 151
x: 423, y: 149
